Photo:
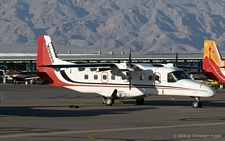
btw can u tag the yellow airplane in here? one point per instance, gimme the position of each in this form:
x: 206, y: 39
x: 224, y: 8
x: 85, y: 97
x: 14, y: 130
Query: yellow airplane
x: 205, y: 80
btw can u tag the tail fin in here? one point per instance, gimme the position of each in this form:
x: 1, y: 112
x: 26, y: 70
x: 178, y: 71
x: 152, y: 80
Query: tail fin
x: 213, y: 62
x: 46, y: 56
x: 45, y: 52
x: 212, y: 59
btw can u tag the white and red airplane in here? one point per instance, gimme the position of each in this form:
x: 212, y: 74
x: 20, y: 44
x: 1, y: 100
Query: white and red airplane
x: 117, y: 81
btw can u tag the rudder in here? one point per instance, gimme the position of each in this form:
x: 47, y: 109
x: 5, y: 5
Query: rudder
x: 212, y: 58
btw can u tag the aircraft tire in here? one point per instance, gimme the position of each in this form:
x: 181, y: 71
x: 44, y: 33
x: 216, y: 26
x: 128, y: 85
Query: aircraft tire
x: 109, y: 101
x: 196, y: 104
x: 140, y: 101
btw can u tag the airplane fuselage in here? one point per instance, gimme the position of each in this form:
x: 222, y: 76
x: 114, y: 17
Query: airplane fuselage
x: 148, y: 81
x: 117, y: 80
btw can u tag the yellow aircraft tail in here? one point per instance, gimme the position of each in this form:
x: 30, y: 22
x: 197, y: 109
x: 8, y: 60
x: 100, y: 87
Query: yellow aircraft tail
x: 212, y: 61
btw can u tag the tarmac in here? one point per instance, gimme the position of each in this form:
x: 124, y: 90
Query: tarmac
x: 44, y: 113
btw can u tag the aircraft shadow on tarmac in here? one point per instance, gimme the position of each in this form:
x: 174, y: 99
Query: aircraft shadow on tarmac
x: 39, y: 112
x: 45, y: 111
x: 205, y: 103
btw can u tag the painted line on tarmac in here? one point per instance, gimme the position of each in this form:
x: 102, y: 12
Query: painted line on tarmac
x: 106, y: 130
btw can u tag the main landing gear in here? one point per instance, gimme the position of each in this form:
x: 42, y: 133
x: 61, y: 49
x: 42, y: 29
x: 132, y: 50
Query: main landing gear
x: 108, y: 100
x: 197, y: 103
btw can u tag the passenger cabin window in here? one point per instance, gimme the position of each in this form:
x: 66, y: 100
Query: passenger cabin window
x: 95, y: 77
x: 150, y: 77
x: 142, y: 77
x: 85, y: 76
x: 104, y: 77
x: 156, y: 77
x: 112, y: 77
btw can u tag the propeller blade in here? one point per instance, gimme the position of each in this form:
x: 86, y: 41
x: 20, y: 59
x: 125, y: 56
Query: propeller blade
x: 176, y: 61
x: 129, y: 62
x: 129, y: 79
x: 130, y: 69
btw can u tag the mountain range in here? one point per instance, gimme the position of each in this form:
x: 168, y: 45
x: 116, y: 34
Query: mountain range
x: 91, y: 26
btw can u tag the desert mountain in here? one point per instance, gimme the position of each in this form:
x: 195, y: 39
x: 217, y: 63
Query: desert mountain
x: 89, y: 26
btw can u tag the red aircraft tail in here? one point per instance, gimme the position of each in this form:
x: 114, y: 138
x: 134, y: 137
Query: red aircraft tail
x: 213, y: 62
x: 46, y: 56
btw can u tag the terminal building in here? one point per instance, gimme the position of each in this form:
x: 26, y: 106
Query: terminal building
x: 27, y: 61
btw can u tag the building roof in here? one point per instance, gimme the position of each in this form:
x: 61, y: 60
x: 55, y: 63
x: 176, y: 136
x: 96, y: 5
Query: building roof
x: 71, y: 57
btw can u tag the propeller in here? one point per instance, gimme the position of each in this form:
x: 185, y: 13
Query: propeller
x: 129, y: 72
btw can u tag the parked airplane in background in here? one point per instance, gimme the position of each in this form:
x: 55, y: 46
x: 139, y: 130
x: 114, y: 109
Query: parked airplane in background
x: 213, y: 64
x: 117, y: 81
x: 2, y: 70
x: 205, y: 80
x: 18, y: 76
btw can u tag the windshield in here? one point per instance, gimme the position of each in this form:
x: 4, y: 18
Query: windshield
x: 177, y: 75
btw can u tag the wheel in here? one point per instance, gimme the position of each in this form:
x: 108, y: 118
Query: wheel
x: 196, y: 104
x: 103, y: 100
x: 109, y: 101
x: 140, y: 101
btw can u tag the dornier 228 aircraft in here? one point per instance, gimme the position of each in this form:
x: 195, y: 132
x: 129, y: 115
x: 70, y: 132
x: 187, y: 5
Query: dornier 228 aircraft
x: 117, y: 81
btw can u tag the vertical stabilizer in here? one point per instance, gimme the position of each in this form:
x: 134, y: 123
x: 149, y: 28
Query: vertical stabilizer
x: 213, y: 62
x: 45, y: 52
x: 212, y: 59
x: 46, y: 56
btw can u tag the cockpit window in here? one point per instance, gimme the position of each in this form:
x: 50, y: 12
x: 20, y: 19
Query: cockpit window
x: 170, y: 78
x: 177, y: 75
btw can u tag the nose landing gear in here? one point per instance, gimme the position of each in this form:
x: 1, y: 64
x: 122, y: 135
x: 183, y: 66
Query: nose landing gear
x: 197, y: 103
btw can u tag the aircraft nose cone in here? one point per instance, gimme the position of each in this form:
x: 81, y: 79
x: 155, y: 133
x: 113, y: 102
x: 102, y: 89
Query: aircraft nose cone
x: 210, y: 91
